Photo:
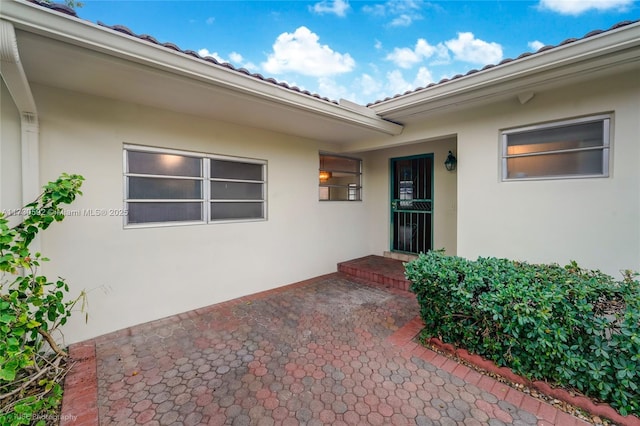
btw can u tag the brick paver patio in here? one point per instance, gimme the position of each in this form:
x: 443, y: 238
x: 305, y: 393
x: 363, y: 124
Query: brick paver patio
x: 328, y: 351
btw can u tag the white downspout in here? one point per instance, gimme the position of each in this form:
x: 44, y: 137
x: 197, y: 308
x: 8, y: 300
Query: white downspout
x: 30, y: 156
x: 16, y: 80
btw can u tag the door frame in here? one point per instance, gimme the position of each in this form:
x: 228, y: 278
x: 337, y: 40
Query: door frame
x: 391, y: 198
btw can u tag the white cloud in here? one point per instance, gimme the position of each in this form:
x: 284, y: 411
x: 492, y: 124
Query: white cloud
x: 337, y: 7
x: 376, y: 10
x: 235, y: 59
x: 405, y: 57
x: 423, y: 78
x: 404, y: 6
x: 378, y: 45
x: 402, y: 12
x: 373, y: 87
x: 368, y: 85
x: 206, y: 52
x: 535, y: 45
x: 576, y: 7
x: 397, y: 85
x: 300, y: 52
x: 327, y: 87
x: 470, y: 49
x: 442, y: 56
x: 210, y: 20
x: 402, y: 21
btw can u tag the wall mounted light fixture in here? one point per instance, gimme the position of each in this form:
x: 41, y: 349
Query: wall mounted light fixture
x: 451, y: 162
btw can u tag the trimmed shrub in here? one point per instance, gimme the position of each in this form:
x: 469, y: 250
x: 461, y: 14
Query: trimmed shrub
x: 578, y: 328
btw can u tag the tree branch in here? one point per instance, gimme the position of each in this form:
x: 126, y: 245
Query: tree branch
x: 52, y: 343
x: 54, y: 365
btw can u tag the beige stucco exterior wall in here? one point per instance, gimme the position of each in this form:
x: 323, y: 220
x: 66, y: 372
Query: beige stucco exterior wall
x: 137, y: 275
x: 10, y: 152
x: 593, y: 221
x: 378, y: 196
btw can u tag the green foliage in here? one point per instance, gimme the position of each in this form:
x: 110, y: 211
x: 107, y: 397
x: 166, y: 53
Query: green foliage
x: 31, y: 309
x: 576, y: 327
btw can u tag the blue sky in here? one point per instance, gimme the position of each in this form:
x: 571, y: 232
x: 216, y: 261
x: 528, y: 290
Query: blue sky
x: 362, y: 51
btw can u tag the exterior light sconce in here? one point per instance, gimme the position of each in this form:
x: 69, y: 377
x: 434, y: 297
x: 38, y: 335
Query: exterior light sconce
x: 324, y: 175
x: 451, y: 162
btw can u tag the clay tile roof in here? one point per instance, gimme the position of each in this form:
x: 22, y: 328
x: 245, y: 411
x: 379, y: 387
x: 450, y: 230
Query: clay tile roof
x: 58, y: 7
x: 508, y: 60
x: 61, y: 8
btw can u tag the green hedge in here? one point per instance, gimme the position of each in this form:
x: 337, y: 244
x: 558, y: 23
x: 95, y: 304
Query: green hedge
x: 576, y: 327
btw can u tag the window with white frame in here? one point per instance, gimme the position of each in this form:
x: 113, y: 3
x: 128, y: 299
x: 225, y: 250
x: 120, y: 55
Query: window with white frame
x: 567, y: 149
x: 177, y: 187
x: 340, y: 178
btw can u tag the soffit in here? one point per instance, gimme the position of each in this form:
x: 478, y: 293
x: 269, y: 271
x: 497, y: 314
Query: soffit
x: 68, y: 53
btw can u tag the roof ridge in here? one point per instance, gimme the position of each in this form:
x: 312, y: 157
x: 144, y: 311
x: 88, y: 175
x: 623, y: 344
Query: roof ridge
x: 509, y: 60
x: 64, y: 9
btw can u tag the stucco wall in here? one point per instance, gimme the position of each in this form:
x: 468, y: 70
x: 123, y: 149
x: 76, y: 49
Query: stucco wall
x: 594, y: 221
x: 136, y: 275
x: 10, y: 148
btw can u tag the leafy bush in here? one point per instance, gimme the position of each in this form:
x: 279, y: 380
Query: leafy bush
x: 31, y: 309
x: 576, y: 327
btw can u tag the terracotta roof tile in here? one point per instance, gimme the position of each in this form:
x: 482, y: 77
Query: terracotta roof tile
x: 509, y: 60
x: 145, y: 37
x: 58, y: 7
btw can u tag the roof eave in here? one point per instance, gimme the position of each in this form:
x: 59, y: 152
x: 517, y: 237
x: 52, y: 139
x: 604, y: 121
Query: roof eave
x: 596, y: 53
x: 81, y: 33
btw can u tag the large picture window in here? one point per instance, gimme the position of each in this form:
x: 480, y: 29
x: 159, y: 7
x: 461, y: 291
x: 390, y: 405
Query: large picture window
x: 568, y: 149
x: 340, y: 178
x: 176, y: 187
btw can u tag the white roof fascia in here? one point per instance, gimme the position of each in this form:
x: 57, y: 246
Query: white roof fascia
x: 69, y: 29
x: 605, y: 50
x: 12, y: 71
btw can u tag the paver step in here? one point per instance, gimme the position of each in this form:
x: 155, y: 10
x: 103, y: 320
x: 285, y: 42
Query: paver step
x: 378, y: 269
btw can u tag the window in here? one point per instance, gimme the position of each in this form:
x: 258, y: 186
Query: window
x: 568, y: 149
x: 340, y: 178
x: 169, y: 187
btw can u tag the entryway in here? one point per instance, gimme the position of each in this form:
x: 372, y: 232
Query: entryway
x: 412, y: 203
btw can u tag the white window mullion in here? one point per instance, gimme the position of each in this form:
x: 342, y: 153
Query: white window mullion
x: 207, y: 190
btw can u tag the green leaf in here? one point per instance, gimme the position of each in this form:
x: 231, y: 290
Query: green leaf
x: 7, y: 318
x: 7, y: 374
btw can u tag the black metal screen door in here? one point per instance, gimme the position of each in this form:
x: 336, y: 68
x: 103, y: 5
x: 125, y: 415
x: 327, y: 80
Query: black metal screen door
x: 411, y: 203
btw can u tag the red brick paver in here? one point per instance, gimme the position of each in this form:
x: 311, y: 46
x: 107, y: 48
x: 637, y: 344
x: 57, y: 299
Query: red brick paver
x: 79, y: 405
x: 332, y: 350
